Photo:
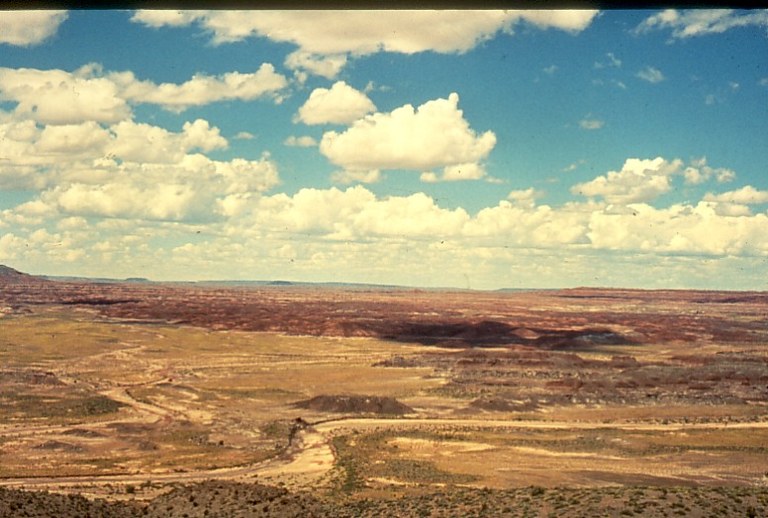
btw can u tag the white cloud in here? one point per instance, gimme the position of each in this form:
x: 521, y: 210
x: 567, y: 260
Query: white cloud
x: 11, y: 247
x: 319, y: 65
x: 650, y: 74
x: 341, y: 104
x: 679, y: 229
x: 348, y: 177
x: 195, y: 188
x: 88, y: 94
x: 73, y: 141
x: 28, y: 28
x: 161, y: 18
x: 145, y: 143
x: 699, y: 172
x: 332, y: 35
x: 113, y: 217
x: 459, y: 172
x: 591, y: 123
x: 747, y: 195
x: 302, y: 141
x: 520, y: 223
x: 525, y: 197
x: 611, y: 62
x: 59, y: 97
x: 366, y: 32
x: 36, y: 158
x: 568, y: 20
x: 245, y: 135
x: 416, y: 215
x: 356, y: 213
x: 698, y: 22
x: 550, y: 70
x: 202, y: 89
x: 429, y: 177
x: 637, y: 181
x: 434, y: 135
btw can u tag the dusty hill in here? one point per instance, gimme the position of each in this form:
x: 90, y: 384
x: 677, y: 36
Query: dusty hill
x: 234, y: 500
x: 10, y: 276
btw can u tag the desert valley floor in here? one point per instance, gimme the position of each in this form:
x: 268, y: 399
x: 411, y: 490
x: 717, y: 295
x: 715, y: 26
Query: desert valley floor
x: 159, y: 399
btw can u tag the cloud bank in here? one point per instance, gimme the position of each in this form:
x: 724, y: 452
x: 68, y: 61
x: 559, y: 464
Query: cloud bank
x: 324, y: 39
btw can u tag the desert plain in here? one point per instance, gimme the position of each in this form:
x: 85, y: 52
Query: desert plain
x: 136, y: 398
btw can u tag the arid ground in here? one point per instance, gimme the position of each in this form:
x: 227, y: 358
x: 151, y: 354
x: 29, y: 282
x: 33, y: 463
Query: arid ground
x: 149, y: 399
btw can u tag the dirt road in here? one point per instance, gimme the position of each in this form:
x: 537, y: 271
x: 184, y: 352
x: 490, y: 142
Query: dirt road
x: 310, y: 458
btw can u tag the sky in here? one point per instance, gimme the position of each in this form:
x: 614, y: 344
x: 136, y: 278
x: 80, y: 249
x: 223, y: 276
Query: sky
x: 467, y: 149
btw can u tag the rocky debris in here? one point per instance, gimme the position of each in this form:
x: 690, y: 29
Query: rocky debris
x: 23, y: 504
x: 234, y: 500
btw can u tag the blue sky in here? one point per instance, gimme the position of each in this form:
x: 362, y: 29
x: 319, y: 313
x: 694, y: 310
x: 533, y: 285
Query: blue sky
x: 476, y: 149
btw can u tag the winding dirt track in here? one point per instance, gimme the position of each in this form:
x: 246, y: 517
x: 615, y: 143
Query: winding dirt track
x: 310, y: 457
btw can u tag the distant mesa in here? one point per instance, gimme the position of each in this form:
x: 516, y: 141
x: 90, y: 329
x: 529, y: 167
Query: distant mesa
x: 137, y: 279
x: 356, y: 405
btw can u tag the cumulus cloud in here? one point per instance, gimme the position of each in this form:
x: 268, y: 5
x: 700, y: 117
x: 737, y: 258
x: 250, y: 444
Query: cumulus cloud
x: 60, y: 97
x: 196, y: 188
x: 325, y: 38
x: 637, y: 181
x: 679, y: 229
x: 88, y: 94
x: 429, y: 177
x: 356, y: 213
x: 302, y: 141
x: 575, y: 20
x: 71, y: 136
x: 468, y: 171
x: 74, y: 141
x: 162, y: 18
x: 650, y: 74
x: 525, y: 197
x: 202, y: 89
x: 348, y: 177
x: 699, y: 22
x: 747, y: 195
x: 325, y: 66
x: 354, y: 229
x: 341, y: 104
x: 141, y: 142
x: 457, y: 173
x: 699, y: 172
x: 28, y: 28
x: 435, y: 135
